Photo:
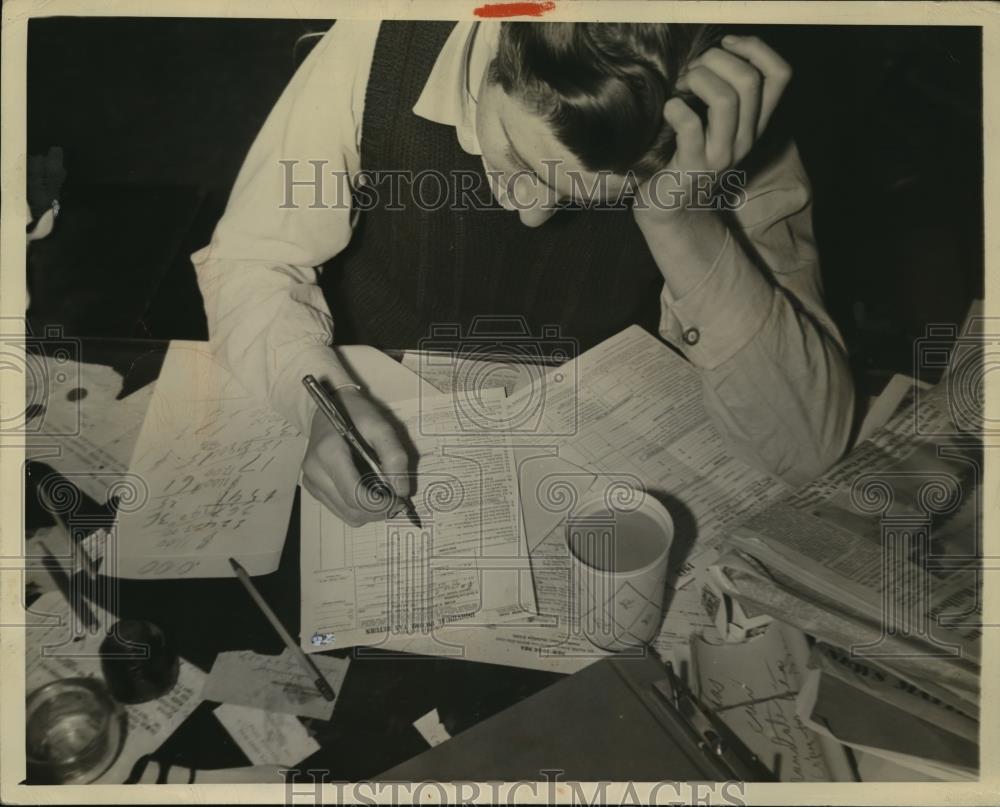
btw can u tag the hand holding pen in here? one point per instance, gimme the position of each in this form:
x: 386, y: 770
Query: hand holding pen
x: 352, y: 444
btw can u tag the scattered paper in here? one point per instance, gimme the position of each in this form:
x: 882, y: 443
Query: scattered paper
x: 221, y: 471
x: 267, y: 738
x: 752, y: 688
x: 274, y: 683
x: 627, y: 412
x: 57, y: 646
x: 76, y: 423
x: 431, y: 728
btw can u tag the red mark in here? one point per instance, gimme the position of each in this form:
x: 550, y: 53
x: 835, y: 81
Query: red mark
x: 514, y: 9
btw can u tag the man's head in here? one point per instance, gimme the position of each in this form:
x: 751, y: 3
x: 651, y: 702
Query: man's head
x: 587, y: 95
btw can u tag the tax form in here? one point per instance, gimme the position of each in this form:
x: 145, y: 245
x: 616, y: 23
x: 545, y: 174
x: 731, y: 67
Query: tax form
x: 468, y: 562
x: 636, y: 412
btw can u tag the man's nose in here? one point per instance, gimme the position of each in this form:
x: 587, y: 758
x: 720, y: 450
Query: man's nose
x: 537, y: 203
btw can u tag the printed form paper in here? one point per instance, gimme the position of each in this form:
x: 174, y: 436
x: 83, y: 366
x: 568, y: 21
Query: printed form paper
x: 468, y: 563
x: 636, y: 410
x: 219, y: 472
x: 629, y: 411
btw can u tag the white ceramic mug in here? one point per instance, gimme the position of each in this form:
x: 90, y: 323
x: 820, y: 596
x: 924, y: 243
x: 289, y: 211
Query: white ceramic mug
x: 618, y: 548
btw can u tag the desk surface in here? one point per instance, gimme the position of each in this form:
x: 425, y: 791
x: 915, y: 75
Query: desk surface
x: 371, y: 729
x: 372, y: 726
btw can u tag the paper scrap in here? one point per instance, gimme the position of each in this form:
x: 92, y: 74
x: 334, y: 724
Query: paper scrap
x: 56, y: 646
x: 752, y: 687
x: 274, y: 683
x: 431, y: 728
x: 267, y: 738
x: 76, y: 423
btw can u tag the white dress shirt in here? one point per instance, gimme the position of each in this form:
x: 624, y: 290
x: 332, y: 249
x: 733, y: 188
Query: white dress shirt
x: 775, y: 376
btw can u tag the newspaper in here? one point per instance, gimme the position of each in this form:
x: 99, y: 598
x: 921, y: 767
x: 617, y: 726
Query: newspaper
x: 793, y: 601
x: 882, y: 554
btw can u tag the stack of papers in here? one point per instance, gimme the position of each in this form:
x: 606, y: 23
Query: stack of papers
x: 628, y: 413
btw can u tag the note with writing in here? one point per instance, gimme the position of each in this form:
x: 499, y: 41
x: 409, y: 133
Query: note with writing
x: 55, y: 647
x: 752, y: 686
x: 274, y: 683
x: 467, y: 563
x: 219, y: 471
x: 267, y: 738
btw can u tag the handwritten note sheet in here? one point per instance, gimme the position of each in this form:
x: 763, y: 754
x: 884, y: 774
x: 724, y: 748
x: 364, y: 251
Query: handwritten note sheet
x: 56, y: 646
x: 267, y: 738
x: 274, y: 683
x: 752, y: 688
x: 468, y: 563
x: 219, y: 470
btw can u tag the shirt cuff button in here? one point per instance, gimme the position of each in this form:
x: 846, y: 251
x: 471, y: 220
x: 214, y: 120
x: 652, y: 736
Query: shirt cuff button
x: 691, y: 336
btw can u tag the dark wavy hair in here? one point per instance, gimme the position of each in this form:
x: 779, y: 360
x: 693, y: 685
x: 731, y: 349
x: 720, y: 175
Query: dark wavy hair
x: 602, y: 86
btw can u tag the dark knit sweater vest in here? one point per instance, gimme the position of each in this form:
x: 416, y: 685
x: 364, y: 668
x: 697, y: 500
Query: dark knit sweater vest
x: 406, y: 271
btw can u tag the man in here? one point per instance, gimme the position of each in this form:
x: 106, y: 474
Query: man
x: 544, y: 111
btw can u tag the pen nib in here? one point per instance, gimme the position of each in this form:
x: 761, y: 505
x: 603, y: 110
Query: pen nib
x: 411, y: 511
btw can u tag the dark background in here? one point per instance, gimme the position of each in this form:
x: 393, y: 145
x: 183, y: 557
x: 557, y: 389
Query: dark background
x: 154, y: 117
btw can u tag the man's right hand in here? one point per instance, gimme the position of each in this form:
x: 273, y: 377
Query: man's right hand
x: 329, y: 472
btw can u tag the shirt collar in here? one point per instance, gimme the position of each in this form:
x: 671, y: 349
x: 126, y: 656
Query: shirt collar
x: 446, y: 98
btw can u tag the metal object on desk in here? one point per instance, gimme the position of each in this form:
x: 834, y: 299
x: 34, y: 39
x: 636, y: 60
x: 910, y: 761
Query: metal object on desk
x: 722, y: 748
x: 74, y: 731
x: 138, y: 661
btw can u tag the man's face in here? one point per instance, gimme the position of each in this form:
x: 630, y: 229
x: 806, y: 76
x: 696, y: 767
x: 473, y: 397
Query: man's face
x: 535, y: 169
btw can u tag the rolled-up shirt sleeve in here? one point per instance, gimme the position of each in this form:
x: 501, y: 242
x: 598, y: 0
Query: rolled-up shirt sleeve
x: 289, y: 212
x: 773, y: 364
